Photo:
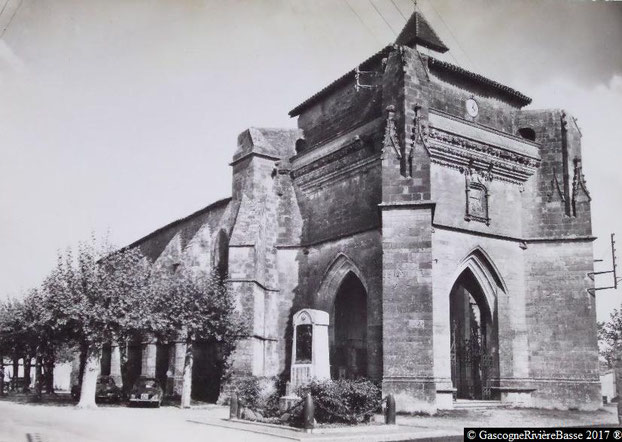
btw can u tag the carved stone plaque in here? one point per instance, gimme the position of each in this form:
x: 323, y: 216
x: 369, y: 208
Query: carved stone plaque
x: 477, y: 203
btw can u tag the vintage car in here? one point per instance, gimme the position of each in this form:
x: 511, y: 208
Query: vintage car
x: 146, y: 391
x: 105, y: 391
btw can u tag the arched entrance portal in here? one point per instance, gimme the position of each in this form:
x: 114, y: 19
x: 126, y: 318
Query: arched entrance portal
x: 348, y: 330
x: 474, y: 340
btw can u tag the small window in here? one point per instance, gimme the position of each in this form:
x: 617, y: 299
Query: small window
x: 527, y: 133
x: 301, y: 145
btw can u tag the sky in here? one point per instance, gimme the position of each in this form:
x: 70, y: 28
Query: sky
x: 121, y: 116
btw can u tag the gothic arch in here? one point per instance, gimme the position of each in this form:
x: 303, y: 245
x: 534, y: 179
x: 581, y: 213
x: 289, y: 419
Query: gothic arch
x: 485, y: 273
x: 332, y: 279
x: 220, y: 254
x: 343, y: 293
x: 474, y: 326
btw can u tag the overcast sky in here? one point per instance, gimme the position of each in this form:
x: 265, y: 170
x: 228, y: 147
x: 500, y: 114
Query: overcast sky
x: 122, y: 115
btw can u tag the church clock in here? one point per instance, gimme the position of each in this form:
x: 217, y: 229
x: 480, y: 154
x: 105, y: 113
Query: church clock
x: 472, y: 107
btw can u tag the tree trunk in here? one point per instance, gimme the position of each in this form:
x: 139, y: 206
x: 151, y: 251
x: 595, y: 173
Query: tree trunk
x: 15, y: 372
x: 88, y: 385
x: 38, y: 377
x: 49, y: 375
x: 123, y: 351
x: 115, y: 364
x: 83, y: 357
x: 186, y: 391
x: 27, y: 364
x: 1, y: 375
x: 618, y: 376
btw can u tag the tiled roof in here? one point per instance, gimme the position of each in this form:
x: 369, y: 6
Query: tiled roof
x: 344, y: 79
x: 418, y: 31
x: 512, y: 94
x: 180, y: 222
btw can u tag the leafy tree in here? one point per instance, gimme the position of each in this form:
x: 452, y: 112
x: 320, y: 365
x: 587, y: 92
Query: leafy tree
x: 94, y: 296
x: 93, y: 302
x: 16, y: 335
x: 196, y: 306
x: 610, y: 337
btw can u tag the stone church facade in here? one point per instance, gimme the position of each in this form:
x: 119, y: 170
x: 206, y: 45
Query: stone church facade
x: 444, y: 228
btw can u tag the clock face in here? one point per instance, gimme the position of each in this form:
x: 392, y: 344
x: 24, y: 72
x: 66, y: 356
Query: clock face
x: 472, y: 107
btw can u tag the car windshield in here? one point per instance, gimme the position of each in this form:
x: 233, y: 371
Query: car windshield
x: 148, y: 384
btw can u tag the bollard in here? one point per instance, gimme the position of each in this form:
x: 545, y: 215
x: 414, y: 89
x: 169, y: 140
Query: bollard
x: 308, y: 412
x: 389, y: 416
x: 233, y: 406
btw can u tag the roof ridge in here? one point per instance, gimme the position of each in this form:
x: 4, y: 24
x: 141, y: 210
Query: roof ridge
x: 521, y: 98
x: 418, y: 31
x: 339, y: 81
x: 179, y: 221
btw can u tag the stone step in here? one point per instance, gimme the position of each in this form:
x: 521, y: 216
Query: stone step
x: 469, y: 404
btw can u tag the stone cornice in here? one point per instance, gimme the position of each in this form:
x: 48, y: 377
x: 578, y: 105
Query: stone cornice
x: 458, y: 152
x: 516, y: 239
x: 315, y: 180
x: 328, y: 240
x: 462, y: 145
x: 408, y: 205
x: 315, y: 158
x: 253, y: 154
x: 483, y: 127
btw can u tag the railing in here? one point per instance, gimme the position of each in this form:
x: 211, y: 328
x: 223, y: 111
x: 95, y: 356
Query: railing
x: 308, y: 410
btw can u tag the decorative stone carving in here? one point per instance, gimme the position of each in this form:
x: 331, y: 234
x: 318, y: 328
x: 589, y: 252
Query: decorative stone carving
x: 556, y: 188
x: 477, y: 194
x: 578, y: 181
x: 510, y: 160
x: 390, y: 134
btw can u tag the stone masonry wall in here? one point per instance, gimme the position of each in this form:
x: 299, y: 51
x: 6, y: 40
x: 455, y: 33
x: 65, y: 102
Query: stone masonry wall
x: 339, y: 113
x: 561, y: 320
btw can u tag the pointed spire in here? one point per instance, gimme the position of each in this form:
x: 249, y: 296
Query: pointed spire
x: 418, y: 31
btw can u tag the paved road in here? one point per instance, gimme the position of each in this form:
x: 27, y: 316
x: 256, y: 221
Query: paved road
x: 46, y: 423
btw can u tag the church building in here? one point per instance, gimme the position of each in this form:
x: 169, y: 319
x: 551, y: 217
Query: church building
x: 443, y: 226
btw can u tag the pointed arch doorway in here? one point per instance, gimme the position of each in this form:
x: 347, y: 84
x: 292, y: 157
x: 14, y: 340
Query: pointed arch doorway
x: 348, y: 330
x: 474, y: 339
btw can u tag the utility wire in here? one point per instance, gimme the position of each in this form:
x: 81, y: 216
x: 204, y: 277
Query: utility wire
x: 414, y: 11
x: 382, y: 16
x: 396, y: 7
x: 12, y: 17
x: 454, y: 37
x: 362, y: 22
x: 3, y: 8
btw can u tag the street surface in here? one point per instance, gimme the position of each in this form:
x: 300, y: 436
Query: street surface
x: 63, y: 422
x: 53, y: 423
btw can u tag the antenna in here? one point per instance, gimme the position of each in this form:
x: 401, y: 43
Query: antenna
x: 613, y: 271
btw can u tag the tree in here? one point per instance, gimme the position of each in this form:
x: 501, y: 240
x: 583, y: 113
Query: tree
x: 92, y: 302
x: 610, y: 337
x: 16, y: 337
x: 197, y: 306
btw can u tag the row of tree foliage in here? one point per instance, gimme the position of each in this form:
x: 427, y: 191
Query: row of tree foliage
x: 95, y: 296
x: 610, y: 338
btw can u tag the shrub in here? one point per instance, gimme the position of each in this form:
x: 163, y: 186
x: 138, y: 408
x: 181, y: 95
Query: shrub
x: 343, y: 400
x: 256, y: 393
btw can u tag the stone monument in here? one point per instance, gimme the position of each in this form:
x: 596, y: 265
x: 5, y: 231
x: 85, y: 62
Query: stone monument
x: 309, y: 352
